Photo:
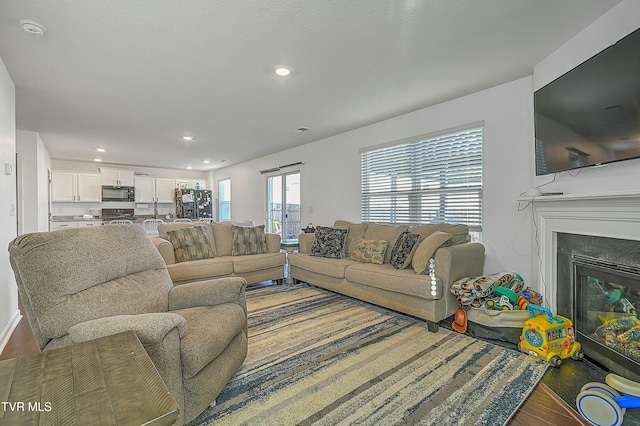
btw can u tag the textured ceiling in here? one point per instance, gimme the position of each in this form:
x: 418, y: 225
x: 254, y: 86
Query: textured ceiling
x: 132, y: 76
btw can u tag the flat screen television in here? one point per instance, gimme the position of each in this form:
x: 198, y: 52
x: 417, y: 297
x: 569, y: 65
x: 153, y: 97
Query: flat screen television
x: 591, y: 115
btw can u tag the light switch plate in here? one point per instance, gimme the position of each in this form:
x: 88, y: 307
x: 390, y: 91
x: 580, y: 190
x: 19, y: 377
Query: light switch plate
x: 8, y: 168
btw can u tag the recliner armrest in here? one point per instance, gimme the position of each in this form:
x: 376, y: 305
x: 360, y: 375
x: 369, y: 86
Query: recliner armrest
x: 150, y: 328
x: 209, y: 293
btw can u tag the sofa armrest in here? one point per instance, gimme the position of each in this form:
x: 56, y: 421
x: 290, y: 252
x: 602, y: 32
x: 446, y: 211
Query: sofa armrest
x: 150, y: 328
x: 304, y: 242
x: 273, y: 242
x: 209, y: 293
x: 459, y: 261
x: 166, y: 250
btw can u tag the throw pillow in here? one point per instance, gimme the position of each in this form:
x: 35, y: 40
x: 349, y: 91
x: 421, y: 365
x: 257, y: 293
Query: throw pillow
x: 190, y: 244
x: 329, y: 242
x: 427, y: 248
x: 370, y: 251
x: 403, y: 250
x: 248, y: 240
x: 385, y: 231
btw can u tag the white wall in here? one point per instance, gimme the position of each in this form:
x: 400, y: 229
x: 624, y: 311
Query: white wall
x: 609, y: 28
x: 9, y: 313
x: 330, y: 176
x: 33, y: 183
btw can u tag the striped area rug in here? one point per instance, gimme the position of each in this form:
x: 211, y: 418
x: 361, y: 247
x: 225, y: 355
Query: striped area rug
x: 320, y: 358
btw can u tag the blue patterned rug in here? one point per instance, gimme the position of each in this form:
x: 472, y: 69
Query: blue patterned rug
x: 316, y: 357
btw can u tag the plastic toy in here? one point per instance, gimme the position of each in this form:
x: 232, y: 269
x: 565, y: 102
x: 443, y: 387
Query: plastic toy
x: 602, y: 404
x: 532, y: 296
x: 549, y: 337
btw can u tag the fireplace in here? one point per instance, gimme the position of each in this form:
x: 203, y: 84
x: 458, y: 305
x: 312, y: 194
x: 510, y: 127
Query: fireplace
x: 599, y: 288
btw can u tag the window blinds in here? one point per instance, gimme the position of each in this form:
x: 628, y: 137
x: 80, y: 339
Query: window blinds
x: 432, y: 180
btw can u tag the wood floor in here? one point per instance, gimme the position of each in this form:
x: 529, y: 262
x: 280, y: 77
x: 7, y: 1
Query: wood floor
x: 543, y: 407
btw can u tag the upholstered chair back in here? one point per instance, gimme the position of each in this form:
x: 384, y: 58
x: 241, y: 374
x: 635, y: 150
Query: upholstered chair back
x: 75, y: 275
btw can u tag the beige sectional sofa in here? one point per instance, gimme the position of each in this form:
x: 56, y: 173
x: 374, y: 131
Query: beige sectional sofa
x: 402, y: 290
x: 253, y: 268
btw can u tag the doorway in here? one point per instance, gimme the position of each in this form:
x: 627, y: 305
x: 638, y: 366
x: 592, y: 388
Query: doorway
x: 283, y: 205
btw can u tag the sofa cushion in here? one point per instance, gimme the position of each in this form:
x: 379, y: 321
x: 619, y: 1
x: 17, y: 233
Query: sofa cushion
x: 387, y: 277
x: 459, y: 232
x: 248, y: 240
x: 356, y: 231
x: 210, y: 329
x: 427, y: 249
x: 257, y: 262
x: 223, y: 237
x: 402, y: 251
x: 190, y: 244
x: 201, y: 269
x: 321, y: 265
x: 370, y: 251
x: 329, y: 242
x: 390, y: 233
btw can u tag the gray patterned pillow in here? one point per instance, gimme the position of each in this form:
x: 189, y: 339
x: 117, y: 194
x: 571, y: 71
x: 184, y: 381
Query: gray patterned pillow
x: 329, y: 242
x: 248, y: 240
x: 190, y: 244
x: 403, y: 250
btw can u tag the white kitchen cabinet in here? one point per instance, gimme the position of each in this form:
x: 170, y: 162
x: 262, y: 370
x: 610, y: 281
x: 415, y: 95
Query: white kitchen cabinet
x: 116, y: 177
x: 150, y: 190
x: 55, y: 226
x: 75, y: 187
x: 89, y: 223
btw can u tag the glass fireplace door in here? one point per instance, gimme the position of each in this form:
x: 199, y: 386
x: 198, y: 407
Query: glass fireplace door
x: 607, y: 323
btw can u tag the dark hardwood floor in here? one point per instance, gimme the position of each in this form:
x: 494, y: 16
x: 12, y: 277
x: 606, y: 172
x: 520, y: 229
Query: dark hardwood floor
x: 543, y: 407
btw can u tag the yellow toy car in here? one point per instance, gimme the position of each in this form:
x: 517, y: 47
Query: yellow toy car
x: 549, y: 337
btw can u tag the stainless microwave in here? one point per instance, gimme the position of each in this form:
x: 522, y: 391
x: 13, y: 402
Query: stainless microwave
x: 118, y: 193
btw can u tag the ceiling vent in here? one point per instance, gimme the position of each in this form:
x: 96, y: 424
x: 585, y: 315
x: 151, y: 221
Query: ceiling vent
x: 33, y: 27
x: 301, y: 129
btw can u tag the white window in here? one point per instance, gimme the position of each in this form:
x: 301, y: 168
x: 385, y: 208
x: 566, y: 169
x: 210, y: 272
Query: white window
x: 429, y: 180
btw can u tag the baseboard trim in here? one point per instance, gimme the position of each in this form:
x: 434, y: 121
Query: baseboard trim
x: 8, y: 330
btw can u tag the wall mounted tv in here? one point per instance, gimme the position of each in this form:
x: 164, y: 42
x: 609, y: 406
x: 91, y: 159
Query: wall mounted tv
x: 591, y: 115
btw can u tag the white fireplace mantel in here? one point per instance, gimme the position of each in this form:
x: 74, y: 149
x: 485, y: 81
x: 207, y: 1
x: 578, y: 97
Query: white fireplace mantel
x: 612, y: 215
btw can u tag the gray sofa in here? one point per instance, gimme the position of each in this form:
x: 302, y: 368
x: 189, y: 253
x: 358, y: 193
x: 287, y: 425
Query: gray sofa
x: 402, y: 290
x: 253, y: 268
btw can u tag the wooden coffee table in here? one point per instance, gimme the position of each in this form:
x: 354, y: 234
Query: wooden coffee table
x: 107, y: 381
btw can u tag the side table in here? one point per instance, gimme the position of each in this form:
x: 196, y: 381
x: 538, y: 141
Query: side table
x: 289, y: 246
x: 106, y: 381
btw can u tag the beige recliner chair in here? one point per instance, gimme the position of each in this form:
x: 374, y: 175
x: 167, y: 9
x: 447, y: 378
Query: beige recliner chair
x: 81, y: 284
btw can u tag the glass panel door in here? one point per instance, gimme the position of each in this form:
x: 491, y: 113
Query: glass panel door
x: 224, y: 200
x: 283, y: 205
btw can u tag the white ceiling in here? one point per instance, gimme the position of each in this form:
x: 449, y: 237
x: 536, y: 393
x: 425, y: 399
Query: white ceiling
x: 132, y: 76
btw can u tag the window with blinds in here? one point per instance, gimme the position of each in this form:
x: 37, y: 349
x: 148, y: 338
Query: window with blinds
x: 431, y: 180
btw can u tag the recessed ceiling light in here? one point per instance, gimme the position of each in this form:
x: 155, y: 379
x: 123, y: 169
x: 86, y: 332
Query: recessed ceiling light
x: 282, y: 70
x: 32, y: 27
x: 97, y: 159
x: 187, y: 138
x: 189, y: 167
x: 206, y: 161
x: 101, y: 150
